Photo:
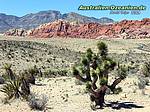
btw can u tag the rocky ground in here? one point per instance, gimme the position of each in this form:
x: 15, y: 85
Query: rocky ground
x: 64, y: 93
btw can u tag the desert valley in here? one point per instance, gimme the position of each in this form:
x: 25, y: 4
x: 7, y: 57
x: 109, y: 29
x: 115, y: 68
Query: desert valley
x: 37, y: 63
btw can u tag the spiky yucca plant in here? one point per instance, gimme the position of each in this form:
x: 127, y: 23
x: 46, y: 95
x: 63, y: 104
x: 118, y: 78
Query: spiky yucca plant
x: 16, y: 87
x: 11, y: 89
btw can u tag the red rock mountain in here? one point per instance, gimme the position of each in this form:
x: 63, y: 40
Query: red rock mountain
x: 122, y: 29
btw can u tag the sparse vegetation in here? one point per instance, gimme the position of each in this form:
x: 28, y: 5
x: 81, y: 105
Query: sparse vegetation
x: 54, y: 59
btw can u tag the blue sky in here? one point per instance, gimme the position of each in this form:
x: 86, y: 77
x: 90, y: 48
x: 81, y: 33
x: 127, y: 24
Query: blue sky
x: 22, y: 7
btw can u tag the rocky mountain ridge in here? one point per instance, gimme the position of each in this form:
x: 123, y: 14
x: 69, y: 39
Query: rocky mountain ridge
x: 33, y: 20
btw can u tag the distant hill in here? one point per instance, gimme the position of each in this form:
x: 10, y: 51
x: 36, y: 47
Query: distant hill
x: 7, y: 21
x: 33, y: 20
x: 75, y: 17
x: 4, y: 25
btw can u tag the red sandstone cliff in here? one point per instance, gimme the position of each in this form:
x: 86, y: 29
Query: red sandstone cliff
x: 122, y: 29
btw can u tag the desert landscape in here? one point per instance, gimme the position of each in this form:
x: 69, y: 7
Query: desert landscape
x: 55, y: 84
x: 57, y: 61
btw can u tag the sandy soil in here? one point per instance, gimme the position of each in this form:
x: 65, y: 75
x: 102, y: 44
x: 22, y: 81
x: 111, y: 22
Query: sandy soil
x: 65, y: 96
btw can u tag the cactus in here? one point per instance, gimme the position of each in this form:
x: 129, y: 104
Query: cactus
x: 97, y: 66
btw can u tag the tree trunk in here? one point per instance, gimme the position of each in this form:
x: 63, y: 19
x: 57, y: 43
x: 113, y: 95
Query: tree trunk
x: 98, y: 96
x: 88, y: 76
x: 95, y: 78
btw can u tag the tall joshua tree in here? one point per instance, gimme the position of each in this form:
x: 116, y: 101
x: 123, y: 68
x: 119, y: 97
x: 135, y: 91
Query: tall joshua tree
x: 96, y: 67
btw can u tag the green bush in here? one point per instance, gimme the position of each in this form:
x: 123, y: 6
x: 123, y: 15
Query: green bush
x: 55, y: 72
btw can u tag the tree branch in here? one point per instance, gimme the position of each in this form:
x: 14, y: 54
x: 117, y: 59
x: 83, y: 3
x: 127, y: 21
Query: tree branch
x: 116, y: 82
x: 79, y: 77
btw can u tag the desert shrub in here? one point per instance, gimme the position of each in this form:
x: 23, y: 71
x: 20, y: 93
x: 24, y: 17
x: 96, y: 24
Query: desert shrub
x: 142, y: 84
x: 30, y: 74
x: 94, y: 67
x: 55, y: 72
x: 37, y: 102
x: 144, y: 76
x: 16, y: 89
x: 146, y: 69
x: 29, y: 77
x: 122, y: 71
x: 33, y: 70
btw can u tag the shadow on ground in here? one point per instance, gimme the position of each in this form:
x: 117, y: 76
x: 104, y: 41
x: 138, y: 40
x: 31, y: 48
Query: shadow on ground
x: 125, y: 105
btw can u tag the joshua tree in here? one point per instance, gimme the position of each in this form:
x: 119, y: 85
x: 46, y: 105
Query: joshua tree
x: 96, y: 67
